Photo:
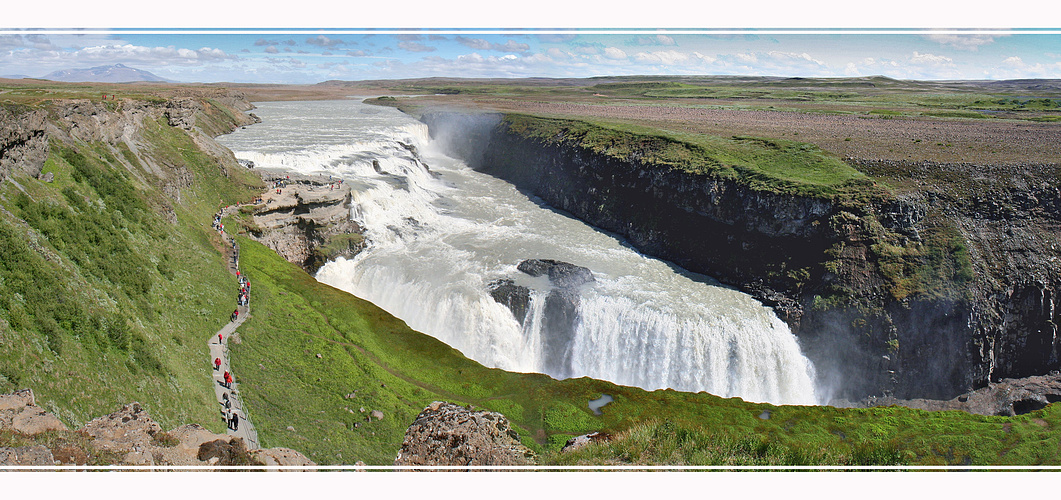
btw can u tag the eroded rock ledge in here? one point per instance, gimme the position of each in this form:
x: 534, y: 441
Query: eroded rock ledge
x: 308, y: 223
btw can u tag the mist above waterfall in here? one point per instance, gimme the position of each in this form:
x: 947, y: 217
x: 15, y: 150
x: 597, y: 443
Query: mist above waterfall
x: 439, y: 233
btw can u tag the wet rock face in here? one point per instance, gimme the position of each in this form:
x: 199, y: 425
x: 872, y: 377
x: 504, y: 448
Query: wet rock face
x: 515, y: 297
x: 561, y: 274
x: 447, y: 434
x: 560, y: 311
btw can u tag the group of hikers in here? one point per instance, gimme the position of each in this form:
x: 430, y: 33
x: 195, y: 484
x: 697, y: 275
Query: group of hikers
x: 280, y: 184
x: 244, y: 291
x: 217, y: 223
x: 230, y: 416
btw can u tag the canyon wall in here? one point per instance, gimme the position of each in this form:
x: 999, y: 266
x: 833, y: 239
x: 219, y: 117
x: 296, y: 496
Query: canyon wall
x: 988, y: 311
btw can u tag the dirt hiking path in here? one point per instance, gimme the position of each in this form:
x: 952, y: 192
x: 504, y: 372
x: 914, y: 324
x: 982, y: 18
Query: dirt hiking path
x: 218, y: 344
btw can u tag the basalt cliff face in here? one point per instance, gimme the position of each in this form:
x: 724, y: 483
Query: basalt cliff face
x: 990, y: 255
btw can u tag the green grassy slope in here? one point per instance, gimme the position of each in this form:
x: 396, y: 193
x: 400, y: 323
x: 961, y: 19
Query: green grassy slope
x: 773, y: 165
x: 109, y: 288
x: 399, y: 371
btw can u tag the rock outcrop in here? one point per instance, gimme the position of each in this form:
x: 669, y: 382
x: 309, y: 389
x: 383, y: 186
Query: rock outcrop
x: 582, y: 441
x: 128, y: 436
x: 1006, y: 398
x: 309, y: 223
x: 26, y: 455
x: 447, y: 434
x: 19, y: 412
x: 23, y: 143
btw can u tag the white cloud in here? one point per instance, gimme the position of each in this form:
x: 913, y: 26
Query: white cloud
x: 415, y: 47
x: 614, y: 53
x: 474, y: 43
x: 962, y: 41
x: 558, y: 54
x: 931, y: 59
x: 136, y: 54
x: 803, y: 56
x: 290, y: 62
x: 654, y: 40
x: 747, y: 58
x: 473, y: 57
x: 1015, y: 67
x: 586, y: 49
x: 665, y: 57
x: 271, y: 50
x: 481, y: 44
x: 323, y: 41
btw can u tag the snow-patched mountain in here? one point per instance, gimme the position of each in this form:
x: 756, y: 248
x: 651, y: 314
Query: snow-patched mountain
x: 117, y: 73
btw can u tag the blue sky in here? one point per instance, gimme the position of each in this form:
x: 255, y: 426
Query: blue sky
x: 354, y: 41
x: 311, y: 56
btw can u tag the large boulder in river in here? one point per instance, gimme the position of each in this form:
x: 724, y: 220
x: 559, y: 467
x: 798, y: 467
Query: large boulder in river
x: 448, y: 434
x: 560, y: 314
x: 515, y: 297
x: 560, y: 311
x: 561, y: 274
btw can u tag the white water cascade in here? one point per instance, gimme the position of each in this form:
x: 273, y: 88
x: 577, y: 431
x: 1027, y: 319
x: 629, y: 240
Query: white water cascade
x: 440, y: 233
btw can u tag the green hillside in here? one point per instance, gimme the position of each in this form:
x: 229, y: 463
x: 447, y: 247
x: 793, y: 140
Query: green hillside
x: 109, y: 286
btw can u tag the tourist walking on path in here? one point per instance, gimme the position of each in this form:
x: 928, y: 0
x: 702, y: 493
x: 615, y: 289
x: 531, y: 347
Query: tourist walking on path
x: 227, y: 390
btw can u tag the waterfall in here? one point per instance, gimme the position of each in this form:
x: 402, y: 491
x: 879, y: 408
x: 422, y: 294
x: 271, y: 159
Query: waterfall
x: 439, y: 233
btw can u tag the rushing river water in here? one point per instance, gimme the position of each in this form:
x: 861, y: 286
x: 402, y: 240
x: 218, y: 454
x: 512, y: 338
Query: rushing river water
x: 440, y: 232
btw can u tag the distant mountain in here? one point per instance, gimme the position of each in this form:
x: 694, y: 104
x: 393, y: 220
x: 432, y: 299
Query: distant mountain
x: 117, y: 73
x: 16, y: 77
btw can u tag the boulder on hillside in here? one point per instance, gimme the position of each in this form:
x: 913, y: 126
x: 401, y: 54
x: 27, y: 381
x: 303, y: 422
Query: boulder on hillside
x: 26, y: 455
x: 283, y: 456
x: 128, y: 429
x: 578, y: 442
x: 19, y: 412
x: 227, y: 451
x: 448, y: 434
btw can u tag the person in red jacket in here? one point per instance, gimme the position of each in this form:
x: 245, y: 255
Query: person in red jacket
x: 217, y: 364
